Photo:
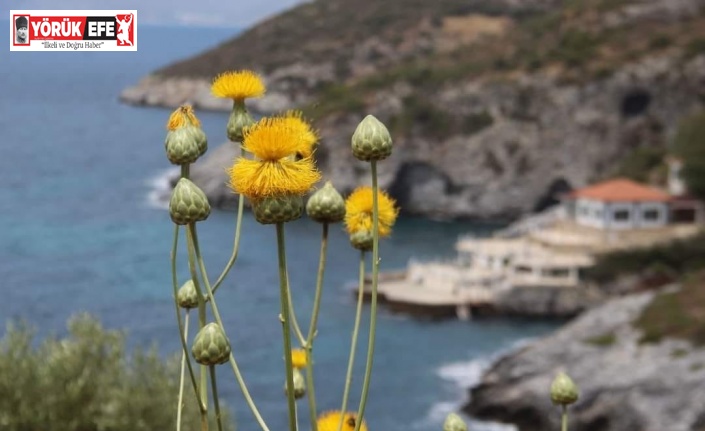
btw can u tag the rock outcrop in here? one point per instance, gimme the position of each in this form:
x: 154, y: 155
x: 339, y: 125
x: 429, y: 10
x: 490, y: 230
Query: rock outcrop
x: 624, y: 384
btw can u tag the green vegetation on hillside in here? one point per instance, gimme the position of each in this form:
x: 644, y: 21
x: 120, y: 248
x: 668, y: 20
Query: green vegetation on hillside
x: 690, y: 146
x: 87, y: 382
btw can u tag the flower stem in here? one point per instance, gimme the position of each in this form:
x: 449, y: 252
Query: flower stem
x: 216, y: 403
x: 295, y: 324
x: 236, y: 242
x: 284, y: 297
x: 182, y: 337
x: 373, y: 304
x: 216, y: 314
x: 353, y: 344
x: 180, y: 406
x: 312, y: 329
x: 564, y: 418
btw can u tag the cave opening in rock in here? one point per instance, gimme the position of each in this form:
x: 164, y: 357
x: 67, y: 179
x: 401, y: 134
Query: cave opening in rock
x: 635, y: 103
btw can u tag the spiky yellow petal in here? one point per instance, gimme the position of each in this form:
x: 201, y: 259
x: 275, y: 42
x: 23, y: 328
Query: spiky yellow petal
x: 182, y: 116
x: 330, y: 421
x: 358, y: 212
x: 308, y: 136
x: 258, y: 179
x: 238, y: 85
x: 298, y: 358
x: 272, y: 139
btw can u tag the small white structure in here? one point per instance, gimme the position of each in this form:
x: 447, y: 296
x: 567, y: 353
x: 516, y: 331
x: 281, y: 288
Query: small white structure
x: 619, y: 204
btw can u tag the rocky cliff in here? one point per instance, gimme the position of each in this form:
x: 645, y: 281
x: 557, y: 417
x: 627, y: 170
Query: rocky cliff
x: 637, y: 360
x: 492, y: 105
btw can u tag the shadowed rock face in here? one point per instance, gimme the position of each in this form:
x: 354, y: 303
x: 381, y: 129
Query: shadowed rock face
x: 623, y: 385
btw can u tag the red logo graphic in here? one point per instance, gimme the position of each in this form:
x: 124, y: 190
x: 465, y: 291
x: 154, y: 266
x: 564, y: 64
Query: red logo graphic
x: 125, y: 30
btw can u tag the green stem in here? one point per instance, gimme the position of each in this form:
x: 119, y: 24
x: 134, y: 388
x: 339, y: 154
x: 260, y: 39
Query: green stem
x: 180, y: 406
x: 312, y: 329
x: 353, y: 343
x: 292, y: 313
x: 184, y: 345
x: 373, y: 304
x: 285, y: 319
x: 236, y: 245
x: 564, y: 418
x: 216, y: 403
x: 216, y: 314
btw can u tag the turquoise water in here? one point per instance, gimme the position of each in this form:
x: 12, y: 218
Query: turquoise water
x: 81, y: 233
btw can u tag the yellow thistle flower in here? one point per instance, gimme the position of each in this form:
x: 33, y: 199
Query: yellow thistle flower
x: 309, y: 137
x: 182, y: 116
x: 358, y: 212
x: 329, y: 421
x: 238, y: 85
x: 272, y: 141
x: 298, y: 358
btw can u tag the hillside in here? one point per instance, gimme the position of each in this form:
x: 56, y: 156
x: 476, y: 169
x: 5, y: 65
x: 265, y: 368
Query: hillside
x: 493, y: 105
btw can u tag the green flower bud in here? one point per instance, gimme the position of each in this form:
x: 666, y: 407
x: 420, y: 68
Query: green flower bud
x: 239, y: 120
x: 362, y: 240
x: 563, y: 390
x: 188, y: 203
x: 278, y: 209
x: 185, y: 145
x: 187, y: 297
x: 326, y: 205
x: 211, y: 346
x: 299, y: 385
x: 371, y: 140
x: 454, y: 422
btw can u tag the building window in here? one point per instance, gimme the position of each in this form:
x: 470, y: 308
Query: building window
x: 651, y: 215
x: 621, y: 215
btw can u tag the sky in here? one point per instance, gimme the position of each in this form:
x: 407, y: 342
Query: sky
x: 222, y: 13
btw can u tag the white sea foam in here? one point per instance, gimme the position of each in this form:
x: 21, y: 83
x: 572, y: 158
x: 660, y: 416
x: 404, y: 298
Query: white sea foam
x: 160, y: 189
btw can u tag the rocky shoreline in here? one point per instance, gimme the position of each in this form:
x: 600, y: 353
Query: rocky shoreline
x: 624, y: 383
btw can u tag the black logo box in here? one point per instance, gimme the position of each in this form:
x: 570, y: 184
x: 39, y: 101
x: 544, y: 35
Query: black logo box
x: 106, y: 20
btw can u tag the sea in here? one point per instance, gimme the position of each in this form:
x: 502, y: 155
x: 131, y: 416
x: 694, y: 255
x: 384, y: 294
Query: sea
x: 84, y: 230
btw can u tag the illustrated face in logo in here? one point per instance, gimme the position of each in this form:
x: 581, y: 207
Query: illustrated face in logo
x: 21, y: 25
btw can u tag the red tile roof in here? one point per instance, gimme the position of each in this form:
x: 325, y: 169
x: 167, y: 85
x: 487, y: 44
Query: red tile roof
x: 621, y: 189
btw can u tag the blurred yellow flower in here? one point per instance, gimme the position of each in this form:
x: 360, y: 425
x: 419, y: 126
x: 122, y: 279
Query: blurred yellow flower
x: 182, y: 116
x: 358, y: 212
x: 238, y: 85
x: 330, y: 421
x: 272, y: 141
x: 298, y: 358
x: 309, y: 137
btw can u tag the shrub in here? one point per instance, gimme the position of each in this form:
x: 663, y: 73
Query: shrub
x: 690, y: 146
x: 86, y: 382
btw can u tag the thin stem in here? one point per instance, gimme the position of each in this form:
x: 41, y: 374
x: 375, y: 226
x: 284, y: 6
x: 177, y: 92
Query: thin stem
x: 181, y: 379
x: 353, y: 344
x: 216, y: 314
x: 312, y: 329
x: 373, y: 305
x: 564, y: 419
x: 216, y: 403
x: 236, y: 242
x: 292, y: 313
x: 182, y: 337
x: 285, y: 319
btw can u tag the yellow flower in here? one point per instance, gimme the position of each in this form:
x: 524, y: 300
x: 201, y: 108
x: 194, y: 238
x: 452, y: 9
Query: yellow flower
x: 358, y: 212
x: 183, y: 116
x: 330, y: 421
x: 238, y: 85
x: 272, y: 142
x: 298, y: 358
x: 309, y: 137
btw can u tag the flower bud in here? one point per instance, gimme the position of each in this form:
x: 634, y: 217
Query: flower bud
x: 211, y: 346
x: 185, y: 145
x: 454, y: 422
x: 326, y: 205
x: 371, y: 140
x: 299, y: 385
x: 188, y: 203
x: 563, y: 390
x: 278, y: 209
x: 362, y: 240
x: 239, y: 120
x: 187, y: 297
